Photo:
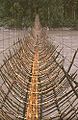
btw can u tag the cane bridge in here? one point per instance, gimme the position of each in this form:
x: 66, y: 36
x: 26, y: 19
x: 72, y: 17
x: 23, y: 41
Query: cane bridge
x: 34, y: 84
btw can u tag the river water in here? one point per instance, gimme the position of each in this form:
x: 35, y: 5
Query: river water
x: 66, y: 39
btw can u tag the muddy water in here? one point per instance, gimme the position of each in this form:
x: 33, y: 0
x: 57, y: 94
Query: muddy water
x: 68, y: 40
x: 7, y: 39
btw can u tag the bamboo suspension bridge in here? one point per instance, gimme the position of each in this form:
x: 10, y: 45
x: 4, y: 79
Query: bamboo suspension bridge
x: 35, y: 84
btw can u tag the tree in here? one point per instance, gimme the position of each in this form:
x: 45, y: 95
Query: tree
x: 53, y: 13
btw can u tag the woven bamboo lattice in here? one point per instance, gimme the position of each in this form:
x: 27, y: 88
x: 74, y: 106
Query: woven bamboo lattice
x: 34, y: 82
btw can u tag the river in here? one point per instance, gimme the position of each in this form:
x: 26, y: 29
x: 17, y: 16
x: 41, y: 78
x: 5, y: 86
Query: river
x: 66, y: 39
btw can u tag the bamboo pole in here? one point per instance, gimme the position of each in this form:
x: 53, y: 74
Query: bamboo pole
x: 32, y: 108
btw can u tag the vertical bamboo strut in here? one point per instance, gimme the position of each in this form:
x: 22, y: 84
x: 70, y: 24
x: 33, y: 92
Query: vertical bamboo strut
x: 32, y: 108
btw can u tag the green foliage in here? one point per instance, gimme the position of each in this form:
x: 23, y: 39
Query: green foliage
x: 53, y: 13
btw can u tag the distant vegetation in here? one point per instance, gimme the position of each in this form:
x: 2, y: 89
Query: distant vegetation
x: 53, y: 13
